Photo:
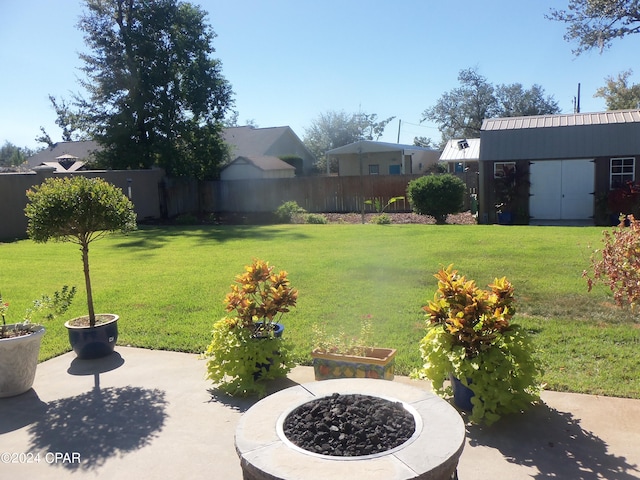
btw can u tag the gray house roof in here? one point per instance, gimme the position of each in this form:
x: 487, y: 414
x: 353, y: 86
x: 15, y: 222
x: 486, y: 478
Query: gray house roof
x: 580, y: 135
x: 273, y: 141
x: 61, y: 154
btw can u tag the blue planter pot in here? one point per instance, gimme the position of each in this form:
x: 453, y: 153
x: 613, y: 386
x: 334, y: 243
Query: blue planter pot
x: 278, y: 330
x: 97, y: 342
x: 462, y: 394
x: 505, y: 218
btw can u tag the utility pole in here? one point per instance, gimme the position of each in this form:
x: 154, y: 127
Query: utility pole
x: 399, y: 123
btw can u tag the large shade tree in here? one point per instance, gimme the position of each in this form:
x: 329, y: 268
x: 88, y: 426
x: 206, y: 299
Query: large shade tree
x: 461, y: 111
x: 333, y: 129
x: 156, y: 95
x: 618, y: 93
x: 597, y: 23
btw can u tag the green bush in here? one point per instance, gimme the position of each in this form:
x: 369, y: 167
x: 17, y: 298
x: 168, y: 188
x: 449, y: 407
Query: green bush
x: 437, y: 195
x: 382, y: 219
x: 315, y: 218
x: 288, y: 211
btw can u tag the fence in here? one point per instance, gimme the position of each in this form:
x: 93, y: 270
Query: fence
x: 314, y: 194
x: 156, y: 196
x: 141, y: 186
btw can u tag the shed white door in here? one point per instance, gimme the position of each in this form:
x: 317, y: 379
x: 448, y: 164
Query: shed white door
x: 562, y: 189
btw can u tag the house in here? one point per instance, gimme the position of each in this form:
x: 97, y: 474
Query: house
x: 281, y: 142
x: 64, y: 156
x: 556, y: 169
x: 367, y: 157
x: 250, y: 167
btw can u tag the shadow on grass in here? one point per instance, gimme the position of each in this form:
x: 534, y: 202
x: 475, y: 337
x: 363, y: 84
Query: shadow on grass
x: 99, y: 424
x: 553, y: 443
x: 158, y: 236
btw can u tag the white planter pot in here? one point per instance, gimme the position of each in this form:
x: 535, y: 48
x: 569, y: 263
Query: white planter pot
x: 18, y: 362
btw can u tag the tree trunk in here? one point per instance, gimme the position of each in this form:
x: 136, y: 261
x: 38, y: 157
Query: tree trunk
x: 87, y: 282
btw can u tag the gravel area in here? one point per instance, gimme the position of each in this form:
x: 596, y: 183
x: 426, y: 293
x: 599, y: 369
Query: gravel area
x: 458, y: 219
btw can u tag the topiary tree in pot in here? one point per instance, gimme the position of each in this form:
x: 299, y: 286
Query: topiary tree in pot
x: 80, y: 210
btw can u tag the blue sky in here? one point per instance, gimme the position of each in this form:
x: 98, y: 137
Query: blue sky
x: 290, y: 60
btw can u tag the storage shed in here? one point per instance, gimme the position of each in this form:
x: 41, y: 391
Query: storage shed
x: 556, y: 169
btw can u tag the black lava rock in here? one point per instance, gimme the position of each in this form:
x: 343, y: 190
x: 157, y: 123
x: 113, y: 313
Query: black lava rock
x: 349, y: 425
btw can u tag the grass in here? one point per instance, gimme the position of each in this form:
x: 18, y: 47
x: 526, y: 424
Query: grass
x: 167, y: 284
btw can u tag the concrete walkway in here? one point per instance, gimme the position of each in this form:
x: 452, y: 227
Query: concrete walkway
x: 149, y: 414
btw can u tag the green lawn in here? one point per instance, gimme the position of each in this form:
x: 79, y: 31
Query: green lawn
x: 168, y: 284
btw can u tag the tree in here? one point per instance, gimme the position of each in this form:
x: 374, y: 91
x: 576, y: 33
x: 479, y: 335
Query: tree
x: 618, y: 94
x: 156, y: 96
x: 72, y: 123
x: 514, y: 101
x: 437, y: 195
x: 596, y: 23
x: 335, y: 129
x: 460, y: 112
x: 13, y: 156
x: 78, y: 210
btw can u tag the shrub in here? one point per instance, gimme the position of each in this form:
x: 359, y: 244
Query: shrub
x: 315, y: 218
x: 437, y: 195
x: 288, y: 211
x: 618, y: 263
x: 382, y: 219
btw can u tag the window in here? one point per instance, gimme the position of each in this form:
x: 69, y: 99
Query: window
x: 374, y: 169
x: 622, y: 171
x: 394, y: 170
x: 504, y: 169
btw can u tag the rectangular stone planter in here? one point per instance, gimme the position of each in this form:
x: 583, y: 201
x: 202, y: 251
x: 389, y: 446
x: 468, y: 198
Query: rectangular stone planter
x: 378, y: 363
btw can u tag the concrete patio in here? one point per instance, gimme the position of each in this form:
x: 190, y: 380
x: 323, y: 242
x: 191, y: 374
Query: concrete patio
x: 151, y: 414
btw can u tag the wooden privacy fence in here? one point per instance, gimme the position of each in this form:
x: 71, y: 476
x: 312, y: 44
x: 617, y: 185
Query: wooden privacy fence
x: 314, y: 194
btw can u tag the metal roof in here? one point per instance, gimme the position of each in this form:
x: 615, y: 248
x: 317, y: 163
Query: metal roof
x: 453, y: 151
x: 370, y: 146
x: 569, y: 120
x: 581, y: 135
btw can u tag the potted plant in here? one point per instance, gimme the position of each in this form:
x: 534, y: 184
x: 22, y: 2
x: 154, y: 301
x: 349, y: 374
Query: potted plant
x: 20, y: 342
x: 617, y: 263
x: 341, y: 356
x: 247, y: 348
x: 80, y: 210
x: 623, y: 201
x: 472, y: 342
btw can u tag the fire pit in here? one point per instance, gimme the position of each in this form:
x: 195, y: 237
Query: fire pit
x: 425, y: 441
